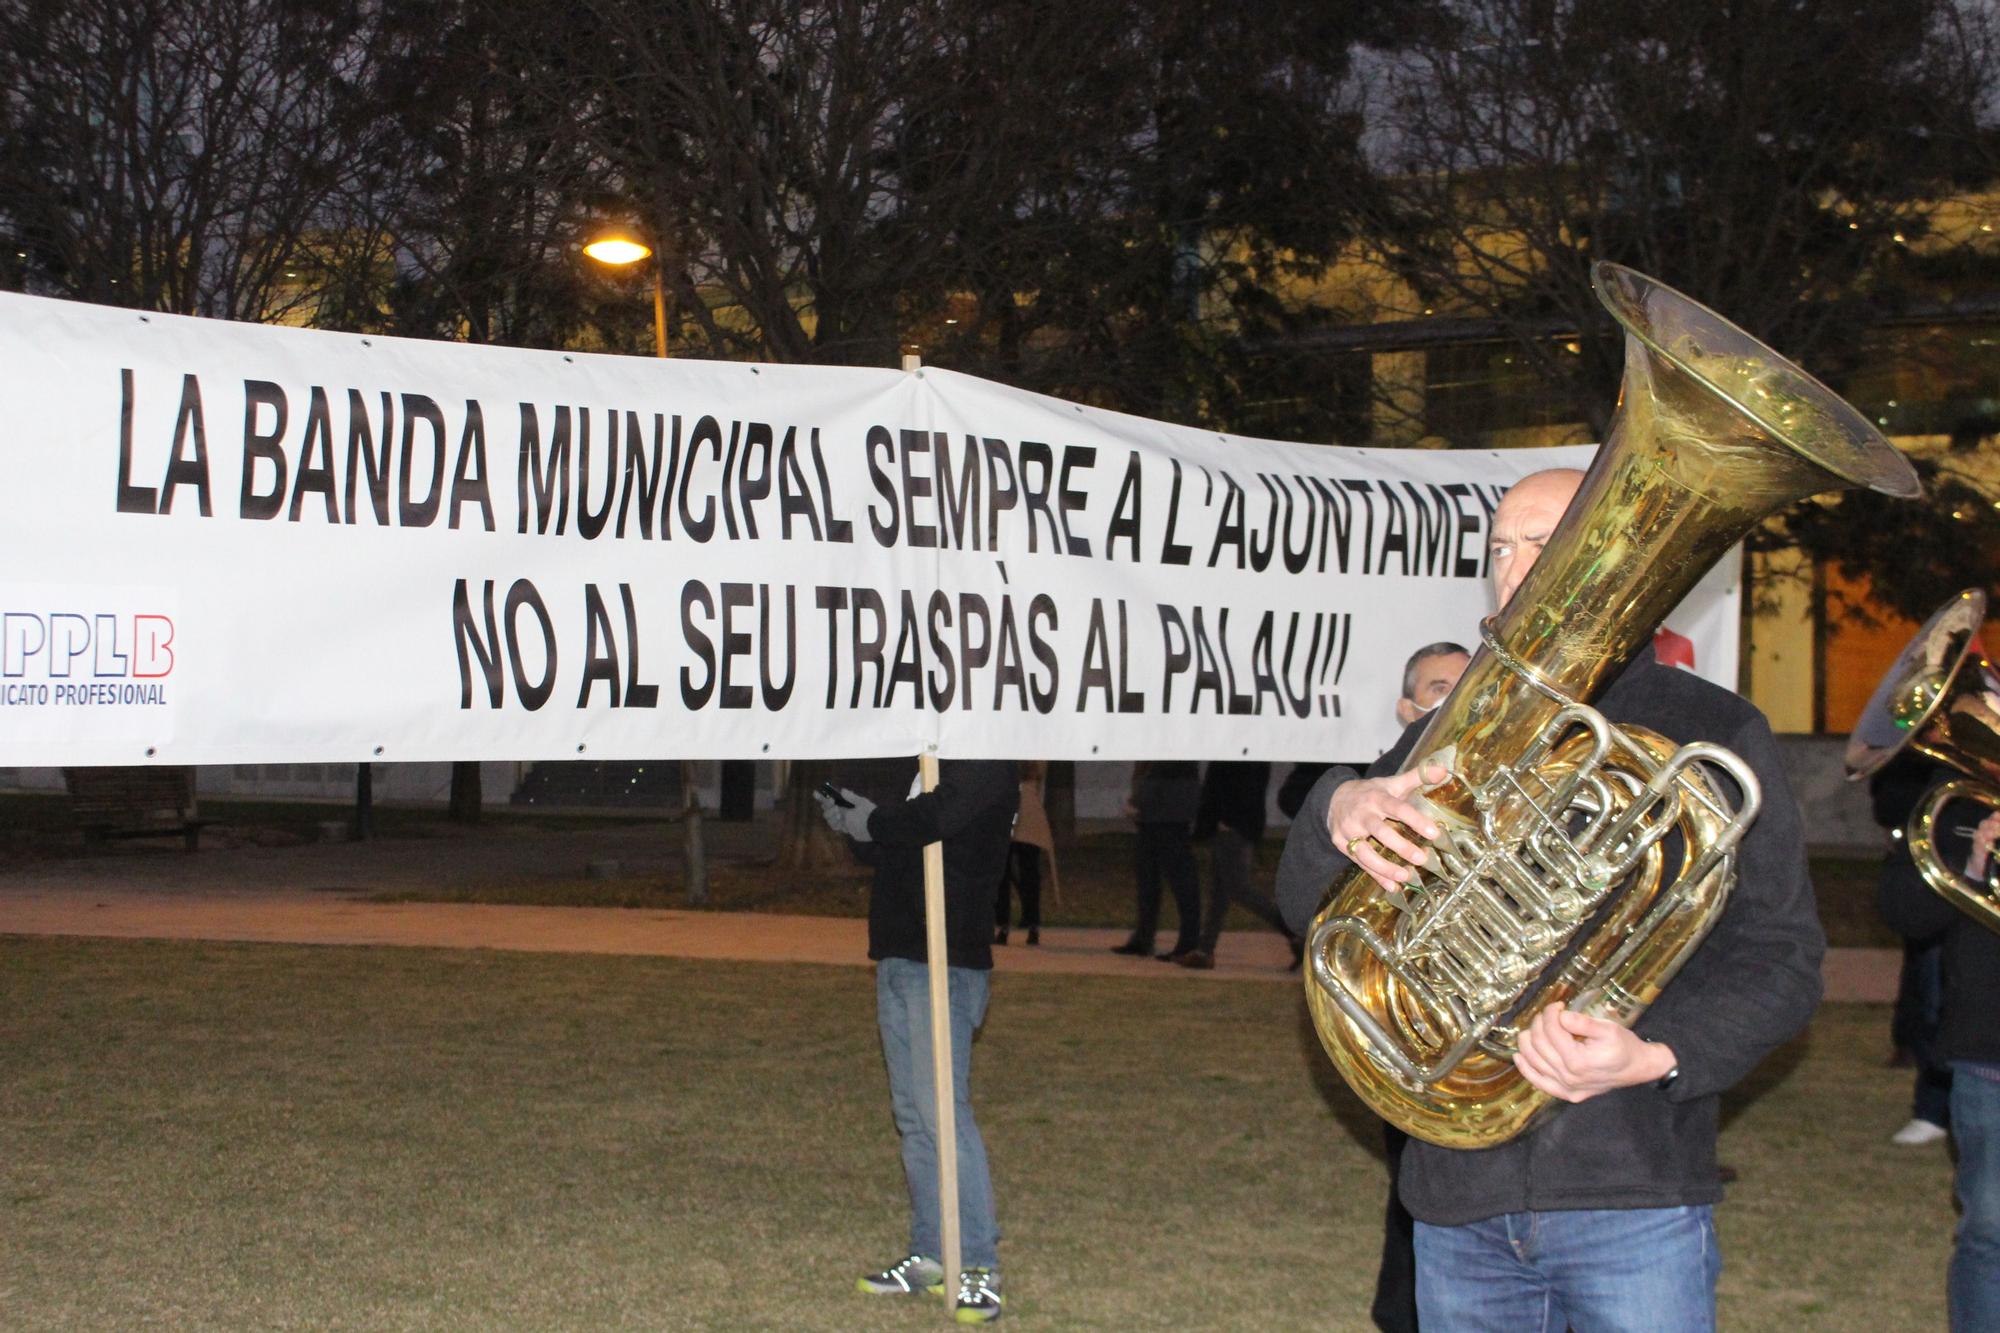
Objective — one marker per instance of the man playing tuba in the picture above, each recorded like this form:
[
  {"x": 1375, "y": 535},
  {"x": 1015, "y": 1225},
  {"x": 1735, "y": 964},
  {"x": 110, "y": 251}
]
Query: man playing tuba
[{"x": 1601, "y": 1216}]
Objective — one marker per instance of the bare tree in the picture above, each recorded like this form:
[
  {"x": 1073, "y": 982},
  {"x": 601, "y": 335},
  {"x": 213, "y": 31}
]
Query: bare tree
[
  {"x": 497, "y": 183},
  {"x": 180, "y": 155},
  {"x": 1772, "y": 158},
  {"x": 1780, "y": 160},
  {"x": 1159, "y": 240},
  {"x": 768, "y": 147}
]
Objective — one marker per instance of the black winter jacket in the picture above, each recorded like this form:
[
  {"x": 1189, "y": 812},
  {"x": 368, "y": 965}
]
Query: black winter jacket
[
  {"x": 1749, "y": 987},
  {"x": 972, "y": 810}
]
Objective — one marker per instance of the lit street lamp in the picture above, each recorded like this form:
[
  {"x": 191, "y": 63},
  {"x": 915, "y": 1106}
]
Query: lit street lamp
[{"x": 620, "y": 248}]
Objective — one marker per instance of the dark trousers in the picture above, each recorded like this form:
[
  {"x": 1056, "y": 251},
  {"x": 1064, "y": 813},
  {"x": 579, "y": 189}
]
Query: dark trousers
[
  {"x": 1229, "y": 859},
  {"x": 1395, "y": 1308},
  {"x": 1914, "y": 1027},
  {"x": 1024, "y": 872},
  {"x": 1162, "y": 851}
]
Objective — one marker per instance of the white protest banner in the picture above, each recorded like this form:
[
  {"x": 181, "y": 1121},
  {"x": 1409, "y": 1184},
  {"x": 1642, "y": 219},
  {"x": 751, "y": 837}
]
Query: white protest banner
[{"x": 226, "y": 543}]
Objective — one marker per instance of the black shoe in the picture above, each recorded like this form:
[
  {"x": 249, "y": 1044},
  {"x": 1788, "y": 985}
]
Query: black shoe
[
  {"x": 1000, "y": 935},
  {"x": 1034, "y": 934},
  {"x": 1175, "y": 956},
  {"x": 1197, "y": 958},
  {"x": 1132, "y": 948}
]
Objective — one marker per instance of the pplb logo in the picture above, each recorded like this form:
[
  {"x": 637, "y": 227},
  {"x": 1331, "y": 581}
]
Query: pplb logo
[{"x": 85, "y": 656}]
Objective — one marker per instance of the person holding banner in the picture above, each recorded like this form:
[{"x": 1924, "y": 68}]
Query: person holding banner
[
  {"x": 1601, "y": 1215},
  {"x": 972, "y": 812}
]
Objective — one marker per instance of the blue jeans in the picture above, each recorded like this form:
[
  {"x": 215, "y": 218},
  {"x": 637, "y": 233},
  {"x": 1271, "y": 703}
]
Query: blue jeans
[
  {"x": 903, "y": 1006},
  {"x": 1613, "y": 1270},
  {"x": 1975, "y": 1259}
]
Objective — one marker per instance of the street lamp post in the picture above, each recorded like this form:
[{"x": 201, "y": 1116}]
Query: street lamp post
[{"x": 619, "y": 249}]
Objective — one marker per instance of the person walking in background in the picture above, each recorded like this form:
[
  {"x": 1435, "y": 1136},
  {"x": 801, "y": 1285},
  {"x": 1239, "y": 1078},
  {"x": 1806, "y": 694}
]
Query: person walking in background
[
  {"x": 1032, "y": 838},
  {"x": 1230, "y": 819},
  {"x": 972, "y": 812},
  {"x": 1165, "y": 795}
]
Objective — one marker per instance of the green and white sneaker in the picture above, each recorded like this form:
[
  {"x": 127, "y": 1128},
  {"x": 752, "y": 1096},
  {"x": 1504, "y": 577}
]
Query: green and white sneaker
[
  {"x": 905, "y": 1277},
  {"x": 978, "y": 1296}
]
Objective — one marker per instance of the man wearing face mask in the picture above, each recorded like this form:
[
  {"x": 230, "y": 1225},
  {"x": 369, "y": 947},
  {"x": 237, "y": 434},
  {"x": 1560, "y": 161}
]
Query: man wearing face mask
[
  {"x": 1601, "y": 1216},
  {"x": 1428, "y": 677}
]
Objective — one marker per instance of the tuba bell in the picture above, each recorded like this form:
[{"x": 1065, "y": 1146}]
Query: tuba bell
[
  {"x": 1941, "y": 699},
  {"x": 1546, "y": 880}
]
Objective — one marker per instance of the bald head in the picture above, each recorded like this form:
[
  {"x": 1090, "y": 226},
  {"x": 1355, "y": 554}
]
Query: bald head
[{"x": 1522, "y": 523}]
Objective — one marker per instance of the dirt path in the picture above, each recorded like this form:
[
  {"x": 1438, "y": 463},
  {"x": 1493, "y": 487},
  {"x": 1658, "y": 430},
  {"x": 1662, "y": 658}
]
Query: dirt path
[{"x": 317, "y": 894}]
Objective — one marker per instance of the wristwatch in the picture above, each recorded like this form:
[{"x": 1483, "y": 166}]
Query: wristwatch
[{"x": 1666, "y": 1080}]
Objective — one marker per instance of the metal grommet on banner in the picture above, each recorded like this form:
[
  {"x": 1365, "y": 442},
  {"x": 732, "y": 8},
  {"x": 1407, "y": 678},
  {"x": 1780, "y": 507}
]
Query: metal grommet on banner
[
  {"x": 378, "y": 749},
  {"x": 150, "y": 752}
]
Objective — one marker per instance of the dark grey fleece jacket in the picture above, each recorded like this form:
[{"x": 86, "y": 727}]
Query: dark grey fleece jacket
[{"x": 1748, "y": 988}]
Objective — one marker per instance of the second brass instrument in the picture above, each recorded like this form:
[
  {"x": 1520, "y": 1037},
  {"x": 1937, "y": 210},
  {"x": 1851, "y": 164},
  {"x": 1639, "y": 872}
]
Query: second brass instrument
[{"x": 1941, "y": 699}]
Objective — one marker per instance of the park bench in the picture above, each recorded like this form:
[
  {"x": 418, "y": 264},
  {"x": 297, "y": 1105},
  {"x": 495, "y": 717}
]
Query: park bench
[{"x": 134, "y": 802}]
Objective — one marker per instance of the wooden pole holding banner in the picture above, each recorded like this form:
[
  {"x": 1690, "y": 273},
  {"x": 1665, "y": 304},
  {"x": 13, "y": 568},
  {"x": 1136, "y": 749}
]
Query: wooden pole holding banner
[
  {"x": 941, "y": 1066},
  {"x": 936, "y": 950}
]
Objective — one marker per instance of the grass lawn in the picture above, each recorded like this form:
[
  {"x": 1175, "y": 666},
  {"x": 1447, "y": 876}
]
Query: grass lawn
[{"x": 263, "y": 1137}]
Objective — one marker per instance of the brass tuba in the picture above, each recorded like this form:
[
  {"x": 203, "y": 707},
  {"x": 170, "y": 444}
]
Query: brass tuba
[
  {"x": 1942, "y": 699},
  {"x": 1545, "y": 881}
]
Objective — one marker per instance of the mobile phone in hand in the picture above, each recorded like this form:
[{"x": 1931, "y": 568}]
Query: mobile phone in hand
[{"x": 832, "y": 793}]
